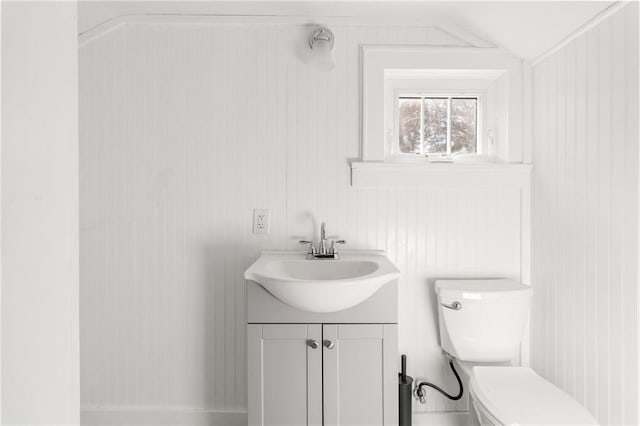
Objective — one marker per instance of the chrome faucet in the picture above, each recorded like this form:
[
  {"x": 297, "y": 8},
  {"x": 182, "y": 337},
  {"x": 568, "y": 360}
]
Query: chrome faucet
[
  {"x": 321, "y": 252},
  {"x": 322, "y": 246}
]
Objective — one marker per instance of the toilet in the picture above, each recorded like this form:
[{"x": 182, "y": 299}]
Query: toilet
[{"x": 481, "y": 325}]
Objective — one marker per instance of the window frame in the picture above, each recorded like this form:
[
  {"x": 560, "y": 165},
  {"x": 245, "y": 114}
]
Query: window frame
[
  {"x": 507, "y": 135},
  {"x": 394, "y": 148}
]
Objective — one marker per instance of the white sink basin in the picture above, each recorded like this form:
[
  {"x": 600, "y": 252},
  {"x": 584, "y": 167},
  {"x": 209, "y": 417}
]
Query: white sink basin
[{"x": 322, "y": 285}]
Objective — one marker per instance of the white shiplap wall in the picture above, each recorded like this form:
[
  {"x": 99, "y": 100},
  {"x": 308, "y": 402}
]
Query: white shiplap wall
[
  {"x": 185, "y": 128},
  {"x": 584, "y": 334}
]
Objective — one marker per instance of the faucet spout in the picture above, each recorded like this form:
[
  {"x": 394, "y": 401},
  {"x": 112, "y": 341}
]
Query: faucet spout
[
  {"x": 322, "y": 251},
  {"x": 322, "y": 246}
]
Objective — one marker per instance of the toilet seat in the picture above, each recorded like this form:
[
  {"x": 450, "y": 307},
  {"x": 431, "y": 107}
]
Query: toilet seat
[{"x": 518, "y": 396}]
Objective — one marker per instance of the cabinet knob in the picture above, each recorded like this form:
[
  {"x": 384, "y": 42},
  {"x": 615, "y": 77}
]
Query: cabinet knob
[
  {"x": 328, "y": 344},
  {"x": 313, "y": 343}
]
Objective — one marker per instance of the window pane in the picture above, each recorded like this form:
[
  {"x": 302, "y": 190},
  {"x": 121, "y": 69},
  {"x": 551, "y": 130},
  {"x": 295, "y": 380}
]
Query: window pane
[
  {"x": 464, "y": 115},
  {"x": 409, "y": 125},
  {"x": 435, "y": 125}
]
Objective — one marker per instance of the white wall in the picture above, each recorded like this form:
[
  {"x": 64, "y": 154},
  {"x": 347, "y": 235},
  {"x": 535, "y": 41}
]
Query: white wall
[
  {"x": 585, "y": 232},
  {"x": 185, "y": 128},
  {"x": 40, "y": 350}
]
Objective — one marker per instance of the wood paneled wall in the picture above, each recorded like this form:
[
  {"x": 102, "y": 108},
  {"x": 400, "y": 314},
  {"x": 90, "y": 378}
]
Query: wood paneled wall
[
  {"x": 584, "y": 334},
  {"x": 185, "y": 128}
]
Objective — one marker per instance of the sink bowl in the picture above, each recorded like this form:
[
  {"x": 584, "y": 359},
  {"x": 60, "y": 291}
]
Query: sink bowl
[{"x": 322, "y": 285}]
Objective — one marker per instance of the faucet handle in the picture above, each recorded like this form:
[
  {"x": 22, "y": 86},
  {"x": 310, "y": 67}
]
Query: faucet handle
[
  {"x": 333, "y": 250},
  {"x": 312, "y": 248}
]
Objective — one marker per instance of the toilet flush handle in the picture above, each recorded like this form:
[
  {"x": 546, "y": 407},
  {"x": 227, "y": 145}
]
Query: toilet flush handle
[{"x": 456, "y": 306}]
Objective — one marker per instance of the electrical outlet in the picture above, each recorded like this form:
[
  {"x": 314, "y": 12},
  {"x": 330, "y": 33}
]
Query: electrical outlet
[{"x": 260, "y": 221}]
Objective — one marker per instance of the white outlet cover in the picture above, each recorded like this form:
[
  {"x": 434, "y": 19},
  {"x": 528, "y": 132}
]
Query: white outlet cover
[{"x": 260, "y": 221}]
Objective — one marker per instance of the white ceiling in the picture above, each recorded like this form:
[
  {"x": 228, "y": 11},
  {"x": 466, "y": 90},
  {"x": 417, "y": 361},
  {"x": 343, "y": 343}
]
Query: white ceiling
[{"x": 526, "y": 28}]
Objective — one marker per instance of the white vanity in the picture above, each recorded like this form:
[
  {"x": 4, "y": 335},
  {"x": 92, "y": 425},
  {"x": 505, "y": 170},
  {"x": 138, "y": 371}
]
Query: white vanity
[{"x": 322, "y": 340}]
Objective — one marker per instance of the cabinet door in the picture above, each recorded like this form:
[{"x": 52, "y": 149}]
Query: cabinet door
[
  {"x": 284, "y": 374},
  {"x": 360, "y": 374}
]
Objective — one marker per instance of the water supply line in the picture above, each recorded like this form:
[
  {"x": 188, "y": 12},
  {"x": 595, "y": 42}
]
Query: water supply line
[{"x": 419, "y": 392}]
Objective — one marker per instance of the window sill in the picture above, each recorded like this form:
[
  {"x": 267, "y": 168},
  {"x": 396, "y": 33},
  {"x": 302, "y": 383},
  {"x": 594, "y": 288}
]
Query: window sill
[{"x": 440, "y": 175}]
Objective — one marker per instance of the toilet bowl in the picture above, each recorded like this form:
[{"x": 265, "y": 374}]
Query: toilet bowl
[
  {"x": 481, "y": 324},
  {"x": 518, "y": 396}
]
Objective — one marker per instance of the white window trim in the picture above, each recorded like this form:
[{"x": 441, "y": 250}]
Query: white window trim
[
  {"x": 377, "y": 59},
  {"x": 441, "y": 176},
  {"x": 394, "y": 145}
]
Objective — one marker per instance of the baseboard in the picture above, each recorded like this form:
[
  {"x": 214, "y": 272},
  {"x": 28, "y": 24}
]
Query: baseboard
[
  {"x": 152, "y": 416},
  {"x": 155, "y": 416},
  {"x": 441, "y": 418}
]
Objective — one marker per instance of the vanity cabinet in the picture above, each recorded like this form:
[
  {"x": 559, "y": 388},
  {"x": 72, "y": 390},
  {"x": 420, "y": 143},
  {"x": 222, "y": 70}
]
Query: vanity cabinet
[
  {"x": 322, "y": 368},
  {"x": 284, "y": 374},
  {"x": 322, "y": 374},
  {"x": 360, "y": 375}
]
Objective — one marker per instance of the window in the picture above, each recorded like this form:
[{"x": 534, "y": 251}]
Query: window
[
  {"x": 437, "y": 125},
  {"x": 422, "y": 100},
  {"x": 488, "y": 79}
]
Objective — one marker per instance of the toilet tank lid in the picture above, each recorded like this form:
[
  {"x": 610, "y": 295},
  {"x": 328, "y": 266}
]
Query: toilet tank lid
[{"x": 482, "y": 289}]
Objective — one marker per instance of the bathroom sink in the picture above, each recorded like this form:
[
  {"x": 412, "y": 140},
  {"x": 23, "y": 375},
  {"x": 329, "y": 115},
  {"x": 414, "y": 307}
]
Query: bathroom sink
[{"x": 322, "y": 285}]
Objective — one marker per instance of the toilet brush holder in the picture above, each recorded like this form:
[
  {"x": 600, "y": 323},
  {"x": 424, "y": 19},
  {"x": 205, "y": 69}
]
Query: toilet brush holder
[{"x": 405, "y": 383}]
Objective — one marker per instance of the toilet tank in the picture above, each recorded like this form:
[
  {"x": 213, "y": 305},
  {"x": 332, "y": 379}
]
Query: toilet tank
[{"x": 482, "y": 320}]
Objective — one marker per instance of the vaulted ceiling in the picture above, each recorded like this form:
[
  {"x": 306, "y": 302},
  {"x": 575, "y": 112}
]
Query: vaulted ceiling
[{"x": 526, "y": 28}]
